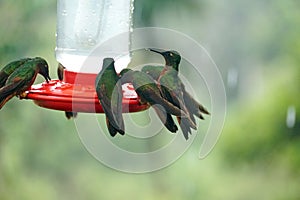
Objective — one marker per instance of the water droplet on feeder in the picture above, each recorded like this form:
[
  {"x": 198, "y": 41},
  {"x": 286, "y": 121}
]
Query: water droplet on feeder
[
  {"x": 91, "y": 41},
  {"x": 291, "y": 117},
  {"x": 64, "y": 13}
]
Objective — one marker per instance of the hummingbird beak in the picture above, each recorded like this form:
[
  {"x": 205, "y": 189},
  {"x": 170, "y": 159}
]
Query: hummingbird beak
[
  {"x": 47, "y": 78},
  {"x": 160, "y": 51}
]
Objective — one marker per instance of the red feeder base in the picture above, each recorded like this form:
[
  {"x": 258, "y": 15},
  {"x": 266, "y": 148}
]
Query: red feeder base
[{"x": 77, "y": 93}]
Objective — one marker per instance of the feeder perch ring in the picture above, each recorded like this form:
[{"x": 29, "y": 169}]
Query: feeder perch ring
[{"x": 77, "y": 93}]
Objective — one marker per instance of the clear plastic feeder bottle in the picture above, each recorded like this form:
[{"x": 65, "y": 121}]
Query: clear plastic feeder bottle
[{"x": 83, "y": 25}]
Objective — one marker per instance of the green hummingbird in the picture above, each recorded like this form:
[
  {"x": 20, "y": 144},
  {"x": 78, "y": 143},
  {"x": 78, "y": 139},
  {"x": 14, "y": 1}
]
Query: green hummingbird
[
  {"x": 22, "y": 79},
  {"x": 165, "y": 117},
  {"x": 149, "y": 92},
  {"x": 60, "y": 74},
  {"x": 193, "y": 106},
  {"x": 109, "y": 92},
  {"x": 172, "y": 88},
  {"x": 9, "y": 69}
]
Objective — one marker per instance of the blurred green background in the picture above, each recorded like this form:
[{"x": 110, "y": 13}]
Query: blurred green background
[{"x": 257, "y": 48}]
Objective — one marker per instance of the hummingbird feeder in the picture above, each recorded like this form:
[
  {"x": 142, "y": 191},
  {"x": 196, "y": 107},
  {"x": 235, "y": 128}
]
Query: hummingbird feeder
[{"x": 82, "y": 26}]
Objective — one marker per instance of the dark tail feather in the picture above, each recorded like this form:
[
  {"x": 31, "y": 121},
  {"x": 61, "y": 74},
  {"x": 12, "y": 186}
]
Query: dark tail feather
[
  {"x": 166, "y": 118},
  {"x": 112, "y": 130},
  {"x": 5, "y": 97},
  {"x": 190, "y": 119},
  {"x": 70, "y": 115},
  {"x": 3, "y": 101},
  {"x": 3, "y": 78},
  {"x": 193, "y": 106},
  {"x": 185, "y": 128},
  {"x": 202, "y": 109}
]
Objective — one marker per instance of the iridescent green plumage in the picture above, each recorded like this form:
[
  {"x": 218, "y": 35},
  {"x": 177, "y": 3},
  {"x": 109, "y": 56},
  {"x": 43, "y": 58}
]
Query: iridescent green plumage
[
  {"x": 149, "y": 92},
  {"x": 192, "y": 104},
  {"x": 9, "y": 69},
  {"x": 173, "y": 90},
  {"x": 109, "y": 92},
  {"x": 22, "y": 79}
]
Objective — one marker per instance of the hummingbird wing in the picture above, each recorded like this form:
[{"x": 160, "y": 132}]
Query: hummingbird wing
[
  {"x": 178, "y": 96},
  {"x": 186, "y": 123},
  {"x": 3, "y": 78},
  {"x": 109, "y": 111},
  {"x": 150, "y": 93},
  {"x": 10, "y": 68},
  {"x": 172, "y": 90},
  {"x": 116, "y": 102},
  {"x": 192, "y": 105}
]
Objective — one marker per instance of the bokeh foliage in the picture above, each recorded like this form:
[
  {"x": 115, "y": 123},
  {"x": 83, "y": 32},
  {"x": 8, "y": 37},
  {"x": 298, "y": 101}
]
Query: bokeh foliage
[{"x": 257, "y": 156}]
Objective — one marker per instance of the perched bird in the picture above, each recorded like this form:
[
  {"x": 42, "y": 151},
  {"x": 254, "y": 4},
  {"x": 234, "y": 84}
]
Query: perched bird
[
  {"x": 22, "y": 78},
  {"x": 172, "y": 88},
  {"x": 149, "y": 92},
  {"x": 193, "y": 106},
  {"x": 9, "y": 69},
  {"x": 60, "y": 74},
  {"x": 109, "y": 92}
]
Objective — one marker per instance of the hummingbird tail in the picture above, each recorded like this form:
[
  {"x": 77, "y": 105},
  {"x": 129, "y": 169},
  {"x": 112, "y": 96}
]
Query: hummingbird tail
[
  {"x": 70, "y": 115},
  {"x": 4, "y": 99},
  {"x": 3, "y": 78},
  {"x": 166, "y": 119},
  {"x": 194, "y": 106},
  {"x": 202, "y": 109},
  {"x": 112, "y": 130},
  {"x": 5, "y": 95},
  {"x": 184, "y": 126}
]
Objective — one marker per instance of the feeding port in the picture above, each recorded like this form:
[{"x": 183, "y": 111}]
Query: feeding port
[{"x": 82, "y": 26}]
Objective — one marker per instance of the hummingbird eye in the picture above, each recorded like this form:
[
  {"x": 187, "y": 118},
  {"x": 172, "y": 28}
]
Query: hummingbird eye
[{"x": 171, "y": 54}]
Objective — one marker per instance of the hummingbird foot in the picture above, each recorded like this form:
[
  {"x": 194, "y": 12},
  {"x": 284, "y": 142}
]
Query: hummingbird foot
[{"x": 22, "y": 95}]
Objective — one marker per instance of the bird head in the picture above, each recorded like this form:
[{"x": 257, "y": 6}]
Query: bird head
[
  {"x": 108, "y": 62},
  {"x": 172, "y": 57},
  {"x": 43, "y": 68}
]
